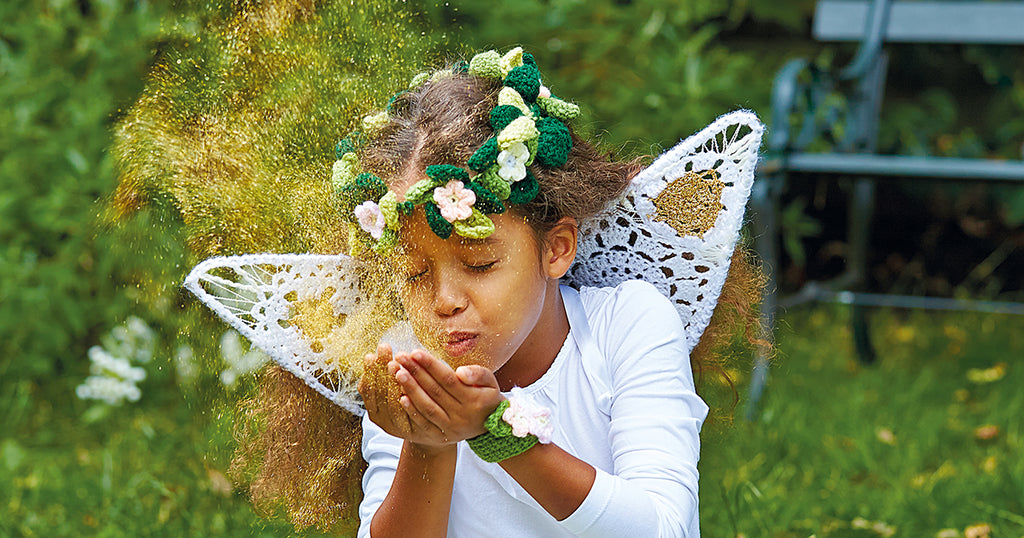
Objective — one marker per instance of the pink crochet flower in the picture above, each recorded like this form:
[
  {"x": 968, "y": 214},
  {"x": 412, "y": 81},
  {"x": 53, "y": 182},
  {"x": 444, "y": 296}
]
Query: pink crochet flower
[
  {"x": 371, "y": 219},
  {"x": 455, "y": 201},
  {"x": 526, "y": 417}
]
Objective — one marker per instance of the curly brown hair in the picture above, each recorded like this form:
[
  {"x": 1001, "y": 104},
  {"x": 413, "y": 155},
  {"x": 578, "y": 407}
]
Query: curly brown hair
[{"x": 300, "y": 452}]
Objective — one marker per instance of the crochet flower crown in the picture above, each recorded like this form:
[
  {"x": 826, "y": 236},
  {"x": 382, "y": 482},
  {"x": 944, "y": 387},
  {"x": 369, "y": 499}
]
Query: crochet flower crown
[{"x": 529, "y": 125}]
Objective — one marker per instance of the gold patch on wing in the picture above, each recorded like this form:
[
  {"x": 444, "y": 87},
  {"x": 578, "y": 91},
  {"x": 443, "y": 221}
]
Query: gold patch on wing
[
  {"x": 690, "y": 204},
  {"x": 315, "y": 318}
]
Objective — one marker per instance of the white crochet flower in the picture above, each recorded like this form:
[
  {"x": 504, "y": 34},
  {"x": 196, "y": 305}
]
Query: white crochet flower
[
  {"x": 371, "y": 218},
  {"x": 513, "y": 162},
  {"x": 527, "y": 416},
  {"x": 455, "y": 201}
]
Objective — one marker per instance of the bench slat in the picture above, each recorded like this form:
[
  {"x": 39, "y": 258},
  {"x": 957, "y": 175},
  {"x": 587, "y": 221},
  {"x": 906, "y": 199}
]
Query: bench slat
[
  {"x": 925, "y": 21},
  {"x": 901, "y": 165}
]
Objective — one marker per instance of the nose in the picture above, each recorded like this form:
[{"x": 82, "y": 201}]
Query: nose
[{"x": 449, "y": 296}]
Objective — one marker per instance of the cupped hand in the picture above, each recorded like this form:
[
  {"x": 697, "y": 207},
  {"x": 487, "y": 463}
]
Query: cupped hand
[
  {"x": 444, "y": 405},
  {"x": 381, "y": 393}
]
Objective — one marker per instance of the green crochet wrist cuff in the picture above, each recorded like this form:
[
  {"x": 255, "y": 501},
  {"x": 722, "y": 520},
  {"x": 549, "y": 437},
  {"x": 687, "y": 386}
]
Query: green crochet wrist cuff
[{"x": 499, "y": 443}]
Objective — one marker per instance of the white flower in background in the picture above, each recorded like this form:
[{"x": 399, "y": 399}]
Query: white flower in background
[
  {"x": 512, "y": 162},
  {"x": 185, "y": 365},
  {"x": 113, "y": 379},
  {"x": 239, "y": 362},
  {"x": 134, "y": 340}
]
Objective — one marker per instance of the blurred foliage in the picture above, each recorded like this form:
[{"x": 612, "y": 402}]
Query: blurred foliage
[
  {"x": 645, "y": 72},
  {"x": 66, "y": 72}
]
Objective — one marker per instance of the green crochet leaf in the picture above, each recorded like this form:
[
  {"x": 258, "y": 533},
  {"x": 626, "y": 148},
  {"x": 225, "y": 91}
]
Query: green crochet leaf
[
  {"x": 524, "y": 79},
  {"x": 486, "y": 64},
  {"x": 443, "y": 173},
  {"x": 554, "y": 142},
  {"x": 406, "y": 208},
  {"x": 494, "y": 183},
  {"x": 477, "y": 226},
  {"x": 503, "y": 115},
  {"x": 485, "y": 156},
  {"x": 387, "y": 241},
  {"x": 437, "y": 223},
  {"x": 372, "y": 184},
  {"x": 421, "y": 191},
  {"x": 486, "y": 201},
  {"x": 524, "y": 190},
  {"x": 365, "y": 187},
  {"x": 558, "y": 108},
  {"x": 344, "y": 146}
]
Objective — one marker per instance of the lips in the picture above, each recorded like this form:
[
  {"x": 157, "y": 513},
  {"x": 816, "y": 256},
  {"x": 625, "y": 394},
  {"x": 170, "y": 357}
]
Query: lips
[{"x": 459, "y": 343}]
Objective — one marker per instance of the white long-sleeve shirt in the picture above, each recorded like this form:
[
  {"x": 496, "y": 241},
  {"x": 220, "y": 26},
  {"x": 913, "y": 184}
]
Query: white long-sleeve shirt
[{"x": 622, "y": 399}]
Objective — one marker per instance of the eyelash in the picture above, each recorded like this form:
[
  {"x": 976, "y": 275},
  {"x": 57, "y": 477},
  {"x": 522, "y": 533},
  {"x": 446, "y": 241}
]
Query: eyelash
[{"x": 482, "y": 268}]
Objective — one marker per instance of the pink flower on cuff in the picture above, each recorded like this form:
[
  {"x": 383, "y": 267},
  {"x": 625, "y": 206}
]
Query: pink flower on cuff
[
  {"x": 455, "y": 201},
  {"x": 526, "y": 417},
  {"x": 371, "y": 219}
]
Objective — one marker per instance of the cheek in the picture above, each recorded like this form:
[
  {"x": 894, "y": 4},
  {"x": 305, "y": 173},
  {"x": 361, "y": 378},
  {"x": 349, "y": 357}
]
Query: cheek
[
  {"x": 514, "y": 306},
  {"x": 417, "y": 310}
]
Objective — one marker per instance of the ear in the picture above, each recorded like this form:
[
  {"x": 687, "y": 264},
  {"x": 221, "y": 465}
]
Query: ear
[{"x": 560, "y": 247}]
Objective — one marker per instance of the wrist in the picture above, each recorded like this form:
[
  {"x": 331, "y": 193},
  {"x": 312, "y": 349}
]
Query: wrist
[
  {"x": 423, "y": 450},
  {"x": 515, "y": 426}
]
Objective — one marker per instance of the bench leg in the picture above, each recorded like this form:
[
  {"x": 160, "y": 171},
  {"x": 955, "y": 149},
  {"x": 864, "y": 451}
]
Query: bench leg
[{"x": 861, "y": 211}]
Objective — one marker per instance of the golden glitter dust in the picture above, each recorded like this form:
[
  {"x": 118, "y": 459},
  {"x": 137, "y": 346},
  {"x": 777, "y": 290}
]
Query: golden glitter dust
[
  {"x": 691, "y": 204},
  {"x": 237, "y": 125},
  {"x": 236, "y": 130}
]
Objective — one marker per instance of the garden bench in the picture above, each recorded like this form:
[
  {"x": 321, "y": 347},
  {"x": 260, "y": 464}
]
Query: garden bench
[{"x": 804, "y": 106}]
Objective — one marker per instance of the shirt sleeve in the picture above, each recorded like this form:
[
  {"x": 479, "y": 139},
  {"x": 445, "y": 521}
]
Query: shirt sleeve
[
  {"x": 656, "y": 416},
  {"x": 381, "y": 452}
]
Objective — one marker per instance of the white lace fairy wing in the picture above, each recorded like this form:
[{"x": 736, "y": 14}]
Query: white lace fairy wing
[
  {"x": 288, "y": 305},
  {"x": 679, "y": 221}
]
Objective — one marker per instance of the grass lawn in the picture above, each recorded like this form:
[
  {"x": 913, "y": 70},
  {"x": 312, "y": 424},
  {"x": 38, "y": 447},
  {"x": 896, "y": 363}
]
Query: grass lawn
[{"x": 927, "y": 442}]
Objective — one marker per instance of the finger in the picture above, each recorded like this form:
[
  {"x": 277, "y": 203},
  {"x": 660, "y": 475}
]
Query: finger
[
  {"x": 427, "y": 406},
  {"x": 435, "y": 377},
  {"x": 418, "y": 423},
  {"x": 384, "y": 352},
  {"x": 476, "y": 376},
  {"x": 365, "y": 388}
]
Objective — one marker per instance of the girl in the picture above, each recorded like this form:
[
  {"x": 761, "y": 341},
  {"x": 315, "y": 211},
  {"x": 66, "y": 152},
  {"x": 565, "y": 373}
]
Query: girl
[{"x": 578, "y": 412}]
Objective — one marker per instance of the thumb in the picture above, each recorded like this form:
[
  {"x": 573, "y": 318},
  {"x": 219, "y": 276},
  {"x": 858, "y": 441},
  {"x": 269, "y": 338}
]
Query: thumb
[{"x": 476, "y": 376}]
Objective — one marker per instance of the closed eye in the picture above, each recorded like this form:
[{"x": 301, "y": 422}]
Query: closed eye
[
  {"x": 415, "y": 278},
  {"x": 480, "y": 268}
]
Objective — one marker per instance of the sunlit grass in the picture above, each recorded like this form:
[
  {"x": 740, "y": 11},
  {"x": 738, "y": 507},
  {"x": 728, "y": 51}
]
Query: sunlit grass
[{"x": 926, "y": 441}]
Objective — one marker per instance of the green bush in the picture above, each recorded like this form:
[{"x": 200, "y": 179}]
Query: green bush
[{"x": 67, "y": 71}]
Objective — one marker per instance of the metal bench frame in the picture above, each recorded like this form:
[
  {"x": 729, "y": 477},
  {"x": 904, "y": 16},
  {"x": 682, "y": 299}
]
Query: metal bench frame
[{"x": 801, "y": 92}]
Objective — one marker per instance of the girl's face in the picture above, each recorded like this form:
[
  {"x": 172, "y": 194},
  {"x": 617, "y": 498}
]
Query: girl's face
[{"x": 493, "y": 301}]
